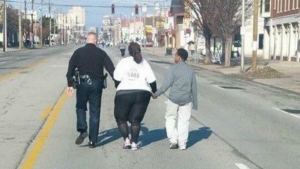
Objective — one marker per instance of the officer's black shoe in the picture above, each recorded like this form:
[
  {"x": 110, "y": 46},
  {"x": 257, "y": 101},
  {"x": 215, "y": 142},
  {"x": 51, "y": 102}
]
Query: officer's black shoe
[
  {"x": 81, "y": 138},
  {"x": 92, "y": 144}
]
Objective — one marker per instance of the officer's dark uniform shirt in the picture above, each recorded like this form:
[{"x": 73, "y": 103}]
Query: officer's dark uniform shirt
[{"x": 89, "y": 60}]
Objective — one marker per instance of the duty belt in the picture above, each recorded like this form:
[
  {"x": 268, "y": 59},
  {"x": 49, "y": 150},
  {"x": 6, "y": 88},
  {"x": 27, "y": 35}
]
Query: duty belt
[{"x": 85, "y": 78}]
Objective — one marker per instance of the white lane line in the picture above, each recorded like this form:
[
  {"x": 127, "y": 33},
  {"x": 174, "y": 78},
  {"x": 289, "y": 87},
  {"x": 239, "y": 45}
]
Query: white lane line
[
  {"x": 241, "y": 166},
  {"x": 286, "y": 112},
  {"x": 219, "y": 87}
]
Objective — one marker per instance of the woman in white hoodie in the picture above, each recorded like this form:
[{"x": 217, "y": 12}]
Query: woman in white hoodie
[{"x": 135, "y": 84}]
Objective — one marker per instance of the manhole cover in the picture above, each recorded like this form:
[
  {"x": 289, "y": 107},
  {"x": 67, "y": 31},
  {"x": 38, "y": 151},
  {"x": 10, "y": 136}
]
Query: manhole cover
[
  {"x": 231, "y": 87},
  {"x": 292, "y": 111}
]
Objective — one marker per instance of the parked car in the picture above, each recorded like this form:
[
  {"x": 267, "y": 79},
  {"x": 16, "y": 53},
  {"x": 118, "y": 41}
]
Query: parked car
[
  {"x": 47, "y": 42},
  {"x": 236, "y": 49},
  {"x": 147, "y": 44}
]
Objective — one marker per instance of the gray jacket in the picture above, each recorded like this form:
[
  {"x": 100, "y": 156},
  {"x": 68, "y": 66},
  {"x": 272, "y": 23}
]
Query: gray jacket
[{"x": 181, "y": 80}]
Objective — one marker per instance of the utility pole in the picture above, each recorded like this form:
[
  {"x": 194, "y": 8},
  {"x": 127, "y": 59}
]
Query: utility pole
[
  {"x": 20, "y": 26},
  {"x": 26, "y": 28},
  {"x": 63, "y": 28},
  {"x": 32, "y": 36},
  {"x": 76, "y": 29},
  {"x": 67, "y": 30},
  {"x": 41, "y": 24},
  {"x": 54, "y": 25},
  {"x": 144, "y": 10},
  {"x": 4, "y": 44},
  {"x": 255, "y": 30},
  {"x": 50, "y": 27},
  {"x": 243, "y": 37},
  {"x": 25, "y": 8}
]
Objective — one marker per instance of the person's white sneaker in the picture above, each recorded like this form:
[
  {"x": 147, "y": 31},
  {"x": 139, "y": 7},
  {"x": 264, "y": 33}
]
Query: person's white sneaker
[
  {"x": 126, "y": 144},
  {"x": 134, "y": 146},
  {"x": 183, "y": 147}
]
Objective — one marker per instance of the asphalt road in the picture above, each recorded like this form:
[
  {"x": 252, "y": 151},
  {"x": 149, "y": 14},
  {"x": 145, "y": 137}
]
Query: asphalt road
[{"x": 239, "y": 124}]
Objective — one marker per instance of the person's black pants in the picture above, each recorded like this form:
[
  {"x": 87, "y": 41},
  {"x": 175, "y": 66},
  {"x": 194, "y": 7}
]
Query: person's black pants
[
  {"x": 122, "y": 52},
  {"x": 91, "y": 93},
  {"x": 131, "y": 107}
]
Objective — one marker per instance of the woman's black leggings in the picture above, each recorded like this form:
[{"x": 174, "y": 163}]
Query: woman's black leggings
[{"x": 131, "y": 106}]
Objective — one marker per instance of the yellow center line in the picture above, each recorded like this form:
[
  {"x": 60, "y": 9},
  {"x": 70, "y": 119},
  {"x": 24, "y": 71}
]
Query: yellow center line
[
  {"x": 33, "y": 154},
  {"x": 46, "y": 112},
  {"x": 11, "y": 74}
]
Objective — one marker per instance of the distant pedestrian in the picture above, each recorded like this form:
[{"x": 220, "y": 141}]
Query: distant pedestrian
[
  {"x": 122, "y": 47},
  {"x": 192, "y": 49},
  {"x": 136, "y": 81},
  {"x": 181, "y": 80},
  {"x": 90, "y": 62}
]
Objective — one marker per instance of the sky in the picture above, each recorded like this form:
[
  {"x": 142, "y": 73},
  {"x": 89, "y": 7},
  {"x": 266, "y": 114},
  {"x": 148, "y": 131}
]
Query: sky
[{"x": 95, "y": 9}]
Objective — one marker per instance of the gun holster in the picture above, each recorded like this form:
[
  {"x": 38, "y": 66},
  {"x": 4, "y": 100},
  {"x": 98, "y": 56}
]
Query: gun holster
[
  {"x": 76, "y": 79},
  {"x": 105, "y": 81}
]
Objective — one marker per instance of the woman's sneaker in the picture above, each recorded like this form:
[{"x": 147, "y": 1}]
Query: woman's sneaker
[
  {"x": 126, "y": 144},
  {"x": 134, "y": 146}
]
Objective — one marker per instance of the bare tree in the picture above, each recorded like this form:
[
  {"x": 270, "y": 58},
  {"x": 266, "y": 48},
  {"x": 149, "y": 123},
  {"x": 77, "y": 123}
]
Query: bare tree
[
  {"x": 12, "y": 22},
  {"x": 203, "y": 13},
  {"x": 228, "y": 21},
  {"x": 221, "y": 18},
  {"x": 25, "y": 28}
]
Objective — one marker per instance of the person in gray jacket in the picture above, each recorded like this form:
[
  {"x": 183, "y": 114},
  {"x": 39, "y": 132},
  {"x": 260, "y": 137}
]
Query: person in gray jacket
[
  {"x": 122, "y": 47},
  {"x": 181, "y": 80}
]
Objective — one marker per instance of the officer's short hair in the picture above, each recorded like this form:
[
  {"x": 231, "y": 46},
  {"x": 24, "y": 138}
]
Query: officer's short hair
[{"x": 93, "y": 33}]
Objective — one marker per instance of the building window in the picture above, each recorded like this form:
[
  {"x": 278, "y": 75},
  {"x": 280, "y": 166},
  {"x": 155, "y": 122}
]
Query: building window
[
  {"x": 261, "y": 41},
  {"x": 267, "y": 6},
  {"x": 289, "y": 4},
  {"x": 275, "y": 2},
  {"x": 297, "y": 4}
]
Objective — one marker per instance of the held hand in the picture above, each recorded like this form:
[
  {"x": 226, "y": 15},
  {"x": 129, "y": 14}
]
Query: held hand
[
  {"x": 70, "y": 91},
  {"x": 153, "y": 96}
]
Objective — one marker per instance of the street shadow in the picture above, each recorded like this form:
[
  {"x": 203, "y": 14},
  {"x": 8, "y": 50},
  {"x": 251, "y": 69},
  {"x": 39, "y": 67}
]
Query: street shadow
[
  {"x": 198, "y": 135},
  {"x": 147, "y": 137},
  {"x": 108, "y": 136}
]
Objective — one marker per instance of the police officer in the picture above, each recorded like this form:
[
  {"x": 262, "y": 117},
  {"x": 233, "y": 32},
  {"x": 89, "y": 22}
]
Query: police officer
[{"x": 90, "y": 61}]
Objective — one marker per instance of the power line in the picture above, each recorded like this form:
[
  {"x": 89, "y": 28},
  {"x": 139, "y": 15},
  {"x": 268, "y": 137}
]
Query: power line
[{"x": 86, "y": 6}]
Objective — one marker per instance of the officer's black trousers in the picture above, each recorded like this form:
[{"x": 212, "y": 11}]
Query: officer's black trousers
[{"x": 92, "y": 94}]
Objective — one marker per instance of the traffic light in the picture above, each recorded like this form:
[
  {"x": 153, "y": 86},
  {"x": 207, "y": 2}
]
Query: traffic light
[
  {"x": 136, "y": 9},
  {"x": 113, "y": 9}
]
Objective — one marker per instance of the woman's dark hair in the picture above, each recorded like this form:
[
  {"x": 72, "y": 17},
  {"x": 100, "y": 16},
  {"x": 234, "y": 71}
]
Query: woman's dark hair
[{"x": 135, "y": 51}]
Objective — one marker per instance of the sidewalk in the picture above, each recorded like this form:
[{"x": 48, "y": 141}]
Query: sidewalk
[
  {"x": 290, "y": 69},
  {"x": 12, "y": 49}
]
